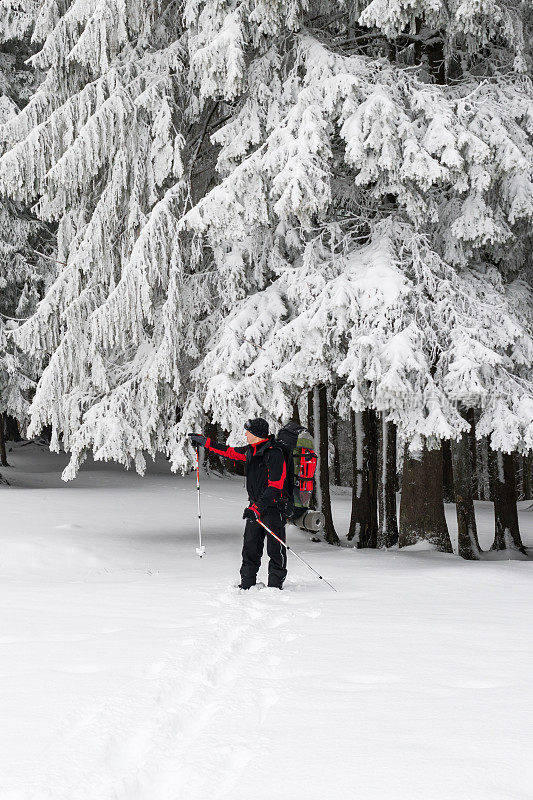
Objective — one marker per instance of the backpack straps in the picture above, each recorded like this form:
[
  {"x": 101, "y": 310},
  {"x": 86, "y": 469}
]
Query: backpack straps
[{"x": 277, "y": 474}]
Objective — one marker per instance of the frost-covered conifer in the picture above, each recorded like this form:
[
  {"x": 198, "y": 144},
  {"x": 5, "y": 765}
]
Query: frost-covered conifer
[
  {"x": 23, "y": 280},
  {"x": 23, "y": 266},
  {"x": 374, "y": 182},
  {"x": 98, "y": 149},
  {"x": 408, "y": 334},
  {"x": 373, "y": 220}
]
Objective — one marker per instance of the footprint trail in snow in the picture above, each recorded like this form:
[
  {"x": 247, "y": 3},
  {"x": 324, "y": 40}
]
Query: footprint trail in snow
[{"x": 196, "y": 729}]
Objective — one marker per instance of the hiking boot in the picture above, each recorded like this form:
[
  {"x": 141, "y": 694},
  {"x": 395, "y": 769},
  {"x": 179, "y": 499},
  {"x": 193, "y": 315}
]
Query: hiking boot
[{"x": 257, "y": 585}]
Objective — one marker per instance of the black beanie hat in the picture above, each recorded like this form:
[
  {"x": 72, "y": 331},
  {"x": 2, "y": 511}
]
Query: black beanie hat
[{"x": 258, "y": 427}]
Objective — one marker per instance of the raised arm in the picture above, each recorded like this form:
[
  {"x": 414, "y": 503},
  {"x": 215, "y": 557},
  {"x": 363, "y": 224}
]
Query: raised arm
[{"x": 236, "y": 453}]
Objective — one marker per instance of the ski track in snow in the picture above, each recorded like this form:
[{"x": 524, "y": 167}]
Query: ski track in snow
[{"x": 192, "y": 735}]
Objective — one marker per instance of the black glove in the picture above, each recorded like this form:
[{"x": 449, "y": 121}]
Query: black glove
[
  {"x": 251, "y": 512},
  {"x": 197, "y": 439}
]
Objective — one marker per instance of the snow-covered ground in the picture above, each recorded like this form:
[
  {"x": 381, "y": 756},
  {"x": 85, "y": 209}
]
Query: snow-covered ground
[{"x": 133, "y": 670}]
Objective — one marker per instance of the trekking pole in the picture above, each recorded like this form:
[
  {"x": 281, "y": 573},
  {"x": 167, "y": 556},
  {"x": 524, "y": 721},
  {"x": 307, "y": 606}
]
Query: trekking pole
[
  {"x": 201, "y": 549},
  {"x": 286, "y": 546}
]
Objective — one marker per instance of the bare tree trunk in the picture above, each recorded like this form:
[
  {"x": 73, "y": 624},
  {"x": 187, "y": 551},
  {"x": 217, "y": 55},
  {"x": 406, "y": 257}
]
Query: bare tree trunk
[
  {"x": 422, "y": 516},
  {"x": 506, "y": 528},
  {"x": 364, "y": 522},
  {"x": 359, "y": 493},
  {"x": 387, "y": 535},
  {"x": 315, "y": 501},
  {"x": 369, "y": 537},
  {"x": 527, "y": 477},
  {"x": 483, "y": 471},
  {"x": 335, "y": 438},
  {"x": 3, "y": 454},
  {"x": 311, "y": 412},
  {"x": 447, "y": 472},
  {"x": 519, "y": 476},
  {"x": 296, "y": 413},
  {"x": 468, "y": 544},
  {"x": 320, "y": 407},
  {"x": 470, "y": 416},
  {"x": 336, "y": 451}
]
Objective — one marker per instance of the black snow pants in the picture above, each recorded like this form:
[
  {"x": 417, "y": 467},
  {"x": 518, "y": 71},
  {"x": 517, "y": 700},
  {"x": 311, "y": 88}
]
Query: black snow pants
[{"x": 254, "y": 538}]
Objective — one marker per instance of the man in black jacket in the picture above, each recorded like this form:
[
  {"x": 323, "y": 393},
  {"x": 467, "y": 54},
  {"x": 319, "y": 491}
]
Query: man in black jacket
[{"x": 266, "y": 473}]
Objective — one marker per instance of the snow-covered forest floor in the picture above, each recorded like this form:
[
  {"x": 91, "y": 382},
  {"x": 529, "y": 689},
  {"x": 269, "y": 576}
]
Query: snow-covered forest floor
[{"x": 133, "y": 670}]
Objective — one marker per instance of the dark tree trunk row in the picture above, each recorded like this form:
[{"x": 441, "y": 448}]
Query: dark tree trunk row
[
  {"x": 482, "y": 469},
  {"x": 429, "y": 479}
]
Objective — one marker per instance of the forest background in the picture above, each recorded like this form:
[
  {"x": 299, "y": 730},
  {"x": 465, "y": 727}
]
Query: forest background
[{"x": 318, "y": 211}]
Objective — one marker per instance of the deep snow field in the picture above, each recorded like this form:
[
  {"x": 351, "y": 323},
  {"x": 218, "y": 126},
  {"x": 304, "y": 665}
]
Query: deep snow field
[{"x": 133, "y": 670}]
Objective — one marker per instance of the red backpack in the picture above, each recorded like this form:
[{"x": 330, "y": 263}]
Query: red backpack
[{"x": 302, "y": 461}]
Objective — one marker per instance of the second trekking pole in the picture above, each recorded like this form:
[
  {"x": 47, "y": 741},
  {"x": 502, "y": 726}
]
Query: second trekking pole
[
  {"x": 286, "y": 546},
  {"x": 201, "y": 549}
]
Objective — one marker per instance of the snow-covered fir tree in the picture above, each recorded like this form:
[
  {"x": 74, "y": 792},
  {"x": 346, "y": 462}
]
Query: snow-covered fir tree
[
  {"x": 372, "y": 199},
  {"x": 431, "y": 164},
  {"x": 405, "y": 332},
  {"x": 23, "y": 280},
  {"x": 24, "y": 264},
  {"x": 99, "y": 150}
]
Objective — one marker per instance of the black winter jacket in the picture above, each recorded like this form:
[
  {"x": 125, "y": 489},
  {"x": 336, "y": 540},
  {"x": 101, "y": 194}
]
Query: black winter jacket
[{"x": 266, "y": 470}]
